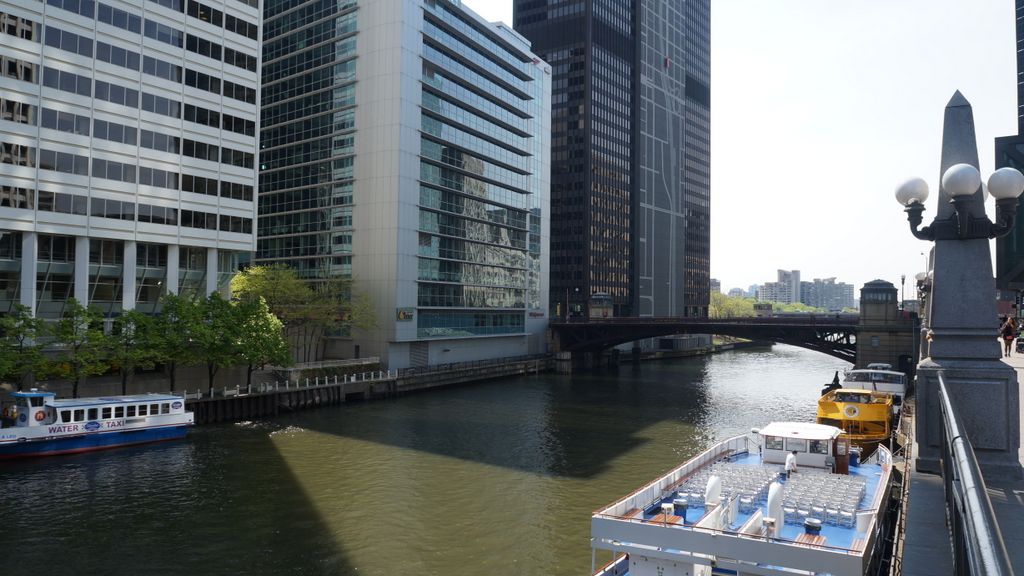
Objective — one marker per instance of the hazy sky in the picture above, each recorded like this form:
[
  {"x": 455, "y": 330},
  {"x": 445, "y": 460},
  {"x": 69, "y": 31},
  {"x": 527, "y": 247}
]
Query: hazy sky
[{"x": 820, "y": 109}]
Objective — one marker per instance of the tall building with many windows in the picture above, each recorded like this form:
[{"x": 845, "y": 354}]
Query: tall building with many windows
[
  {"x": 630, "y": 190},
  {"x": 1010, "y": 152},
  {"x": 406, "y": 143},
  {"x": 127, "y": 149}
]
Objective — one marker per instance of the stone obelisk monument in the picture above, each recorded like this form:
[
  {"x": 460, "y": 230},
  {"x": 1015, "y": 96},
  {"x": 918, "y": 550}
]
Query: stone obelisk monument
[{"x": 962, "y": 332}]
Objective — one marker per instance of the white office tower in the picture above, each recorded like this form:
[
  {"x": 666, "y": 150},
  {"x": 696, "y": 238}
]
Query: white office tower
[
  {"x": 406, "y": 143},
  {"x": 127, "y": 146}
]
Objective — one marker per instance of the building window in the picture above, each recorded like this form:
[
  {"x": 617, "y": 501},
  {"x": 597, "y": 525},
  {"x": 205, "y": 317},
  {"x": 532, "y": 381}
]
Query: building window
[
  {"x": 119, "y": 19},
  {"x": 19, "y": 27}
]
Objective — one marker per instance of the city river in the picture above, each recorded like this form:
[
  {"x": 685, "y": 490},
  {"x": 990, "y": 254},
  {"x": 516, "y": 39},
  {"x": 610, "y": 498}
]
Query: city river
[{"x": 487, "y": 479}]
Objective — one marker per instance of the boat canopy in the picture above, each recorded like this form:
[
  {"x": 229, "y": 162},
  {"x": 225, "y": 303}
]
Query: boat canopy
[
  {"x": 31, "y": 394},
  {"x": 805, "y": 430}
]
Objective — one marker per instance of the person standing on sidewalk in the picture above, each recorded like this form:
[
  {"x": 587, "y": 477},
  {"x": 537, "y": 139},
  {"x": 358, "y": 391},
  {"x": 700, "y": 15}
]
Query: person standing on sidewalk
[{"x": 1008, "y": 331}]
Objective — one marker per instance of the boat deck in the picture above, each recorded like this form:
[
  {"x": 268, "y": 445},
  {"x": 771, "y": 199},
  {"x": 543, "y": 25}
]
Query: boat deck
[
  {"x": 837, "y": 531},
  {"x": 840, "y": 502}
]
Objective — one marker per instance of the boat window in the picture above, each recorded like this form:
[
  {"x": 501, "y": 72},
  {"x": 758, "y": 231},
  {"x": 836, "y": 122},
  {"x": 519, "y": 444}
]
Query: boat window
[
  {"x": 106, "y": 413},
  {"x": 773, "y": 443},
  {"x": 131, "y": 412},
  {"x": 93, "y": 413},
  {"x": 165, "y": 408},
  {"x": 142, "y": 409},
  {"x": 65, "y": 415},
  {"x": 79, "y": 415},
  {"x": 37, "y": 401},
  {"x": 21, "y": 402},
  {"x": 154, "y": 409},
  {"x": 819, "y": 447},
  {"x": 798, "y": 444},
  {"x": 119, "y": 412}
]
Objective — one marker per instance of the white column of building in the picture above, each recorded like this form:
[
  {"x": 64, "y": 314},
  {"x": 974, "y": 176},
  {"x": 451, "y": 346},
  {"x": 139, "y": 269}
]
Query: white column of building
[
  {"x": 211, "y": 270},
  {"x": 173, "y": 261},
  {"x": 82, "y": 270},
  {"x": 128, "y": 274},
  {"x": 29, "y": 258}
]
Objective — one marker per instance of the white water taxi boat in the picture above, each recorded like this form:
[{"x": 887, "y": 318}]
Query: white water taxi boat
[
  {"x": 730, "y": 510},
  {"x": 38, "y": 424}
]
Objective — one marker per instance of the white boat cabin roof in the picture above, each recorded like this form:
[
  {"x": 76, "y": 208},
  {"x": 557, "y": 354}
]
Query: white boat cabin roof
[
  {"x": 103, "y": 400},
  {"x": 867, "y": 374},
  {"x": 805, "y": 430}
]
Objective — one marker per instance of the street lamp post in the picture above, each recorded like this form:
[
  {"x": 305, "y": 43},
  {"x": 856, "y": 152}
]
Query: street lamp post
[{"x": 960, "y": 316}]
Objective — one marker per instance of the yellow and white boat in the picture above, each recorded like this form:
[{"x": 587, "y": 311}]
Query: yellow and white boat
[{"x": 866, "y": 416}]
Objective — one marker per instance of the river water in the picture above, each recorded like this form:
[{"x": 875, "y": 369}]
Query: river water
[{"x": 486, "y": 479}]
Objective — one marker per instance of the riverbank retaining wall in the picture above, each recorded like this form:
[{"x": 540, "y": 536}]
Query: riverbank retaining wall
[{"x": 246, "y": 403}]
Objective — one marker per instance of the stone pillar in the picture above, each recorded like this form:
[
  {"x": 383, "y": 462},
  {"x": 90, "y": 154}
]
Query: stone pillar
[
  {"x": 173, "y": 267},
  {"x": 128, "y": 280},
  {"x": 211, "y": 270},
  {"x": 29, "y": 260},
  {"x": 82, "y": 270},
  {"x": 962, "y": 327}
]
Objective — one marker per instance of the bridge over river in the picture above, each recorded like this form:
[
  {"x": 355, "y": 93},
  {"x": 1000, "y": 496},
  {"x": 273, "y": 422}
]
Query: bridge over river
[{"x": 832, "y": 334}]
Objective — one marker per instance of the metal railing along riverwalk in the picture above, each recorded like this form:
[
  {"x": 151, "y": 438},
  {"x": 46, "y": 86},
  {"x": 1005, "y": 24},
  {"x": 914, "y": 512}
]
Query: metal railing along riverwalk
[
  {"x": 978, "y": 548},
  {"x": 269, "y": 387},
  {"x": 454, "y": 366}
]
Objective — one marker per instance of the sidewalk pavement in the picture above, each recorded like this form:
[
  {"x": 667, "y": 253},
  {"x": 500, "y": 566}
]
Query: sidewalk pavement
[{"x": 927, "y": 548}]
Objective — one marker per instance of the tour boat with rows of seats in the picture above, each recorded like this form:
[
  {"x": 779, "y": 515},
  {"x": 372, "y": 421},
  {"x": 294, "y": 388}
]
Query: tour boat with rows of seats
[
  {"x": 731, "y": 510},
  {"x": 39, "y": 424}
]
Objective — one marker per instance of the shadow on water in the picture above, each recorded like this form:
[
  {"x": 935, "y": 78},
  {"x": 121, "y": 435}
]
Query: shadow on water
[
  {"x": 554, "y": 425},
  {"x": 222, "y": 501}
]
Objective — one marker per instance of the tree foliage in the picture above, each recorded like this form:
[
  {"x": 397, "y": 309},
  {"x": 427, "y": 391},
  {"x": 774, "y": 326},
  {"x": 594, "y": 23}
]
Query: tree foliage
[
  {"x": 133, "y": 343},
  {"x": 174, "y": 331},
  {"x": 722, "y": 306},
  {"x": 79, "y": 335},
  {"x": 262, "y": 340},
  {"x": 217, "y": 335},
  {"x": 308, "y": 310},
  {"x": 21, "y": 348}
]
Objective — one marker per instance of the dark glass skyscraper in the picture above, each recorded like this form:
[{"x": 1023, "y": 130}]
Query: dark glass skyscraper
[
  {"x": 630, "y": 149},
  {"x": 1010, "y": 152}
]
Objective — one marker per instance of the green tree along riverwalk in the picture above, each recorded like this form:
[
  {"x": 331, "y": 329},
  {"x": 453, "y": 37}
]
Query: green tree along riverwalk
[{"x": 274, "y": 317}]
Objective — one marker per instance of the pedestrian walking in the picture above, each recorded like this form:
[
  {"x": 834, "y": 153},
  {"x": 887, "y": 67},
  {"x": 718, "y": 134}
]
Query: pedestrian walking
[{"x": 1008, "y": 331}]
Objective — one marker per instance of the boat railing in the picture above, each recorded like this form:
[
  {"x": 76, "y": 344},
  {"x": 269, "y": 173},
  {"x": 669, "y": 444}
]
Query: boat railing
[
  {"x": 978, "y": 548},
  {"x": 653, "y": 490},
  {"x": 287, "y": 385}
]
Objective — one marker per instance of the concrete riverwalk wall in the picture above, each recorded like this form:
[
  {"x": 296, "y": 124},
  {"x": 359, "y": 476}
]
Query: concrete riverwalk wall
[{"x": 245, "y": 403}]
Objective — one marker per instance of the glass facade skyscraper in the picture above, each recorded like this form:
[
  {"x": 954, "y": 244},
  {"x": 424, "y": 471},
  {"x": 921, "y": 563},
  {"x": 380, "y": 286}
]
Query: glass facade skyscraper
[
  {"x": 406, "y": 144},
  {"x": 630, "y": 151},
  {"x": 1010, "y": 152},
  {"x": 127, "y": 149}
]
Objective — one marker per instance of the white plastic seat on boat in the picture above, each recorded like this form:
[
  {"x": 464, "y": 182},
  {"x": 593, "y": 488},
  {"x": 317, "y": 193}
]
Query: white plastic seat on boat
[
  {"x": 832, "y": 515},
  {"x": 789, "y": 514},
  {"x": 845, "y": 518},
  {"x": 802, "y": 514}
]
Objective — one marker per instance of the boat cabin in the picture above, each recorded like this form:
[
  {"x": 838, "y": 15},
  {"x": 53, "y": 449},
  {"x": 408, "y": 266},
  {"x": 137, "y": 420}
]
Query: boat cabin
[
  {"x": 879, "y": 380},
  {"x": 32, "y": 408},
  {"x": 816, "y": 445},
  {"x": 36, "y": 408}
]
